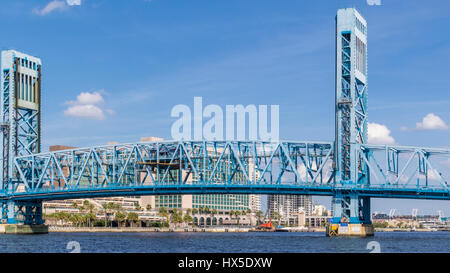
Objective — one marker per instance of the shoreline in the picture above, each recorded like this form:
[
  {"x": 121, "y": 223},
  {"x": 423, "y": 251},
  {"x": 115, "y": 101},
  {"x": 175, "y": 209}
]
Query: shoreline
[
  {"x": 55, "y": 229},
  {"x": 155, "y": 229}
]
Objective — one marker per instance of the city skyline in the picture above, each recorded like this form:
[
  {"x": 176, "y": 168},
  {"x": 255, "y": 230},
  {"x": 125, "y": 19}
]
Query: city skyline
[{"x": 231, "y": 59}]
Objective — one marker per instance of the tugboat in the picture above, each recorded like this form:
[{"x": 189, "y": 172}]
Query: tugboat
[{"x": 266, "y": 227}]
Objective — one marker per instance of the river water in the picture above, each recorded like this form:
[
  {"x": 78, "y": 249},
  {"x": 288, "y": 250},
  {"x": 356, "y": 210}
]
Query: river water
[{"x": 384, "y": 242}]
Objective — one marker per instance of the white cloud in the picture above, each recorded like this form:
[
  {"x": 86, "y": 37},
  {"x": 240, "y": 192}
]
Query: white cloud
[
  {"x": 56, "y": 5},
  {"x": 74, "y": 2},
  {"x": 379, "y": 134},
  {"x": 89, "y": 98},
  {"x": 88, "y": 111},
  {"x": 432, "y": 122},
  {"x": 89, "y": 106},
  {"x": 52, "y": 6}
]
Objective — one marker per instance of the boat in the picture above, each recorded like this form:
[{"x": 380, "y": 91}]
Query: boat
[
  {"x": 280, "y": 228},
  {"x": 266, "y": 227}
]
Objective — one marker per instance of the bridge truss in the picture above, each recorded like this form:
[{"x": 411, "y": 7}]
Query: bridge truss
[{"x": 238, "y": 167}]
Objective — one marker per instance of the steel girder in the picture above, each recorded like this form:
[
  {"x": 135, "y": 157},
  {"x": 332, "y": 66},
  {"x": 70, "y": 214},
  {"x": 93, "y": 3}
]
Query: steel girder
[
  {"x": 184, "y": 165},
  {"x": 20, "y": 110},
  {"x": 218, "y": 167},
  {"x": 350, "y": 114}
]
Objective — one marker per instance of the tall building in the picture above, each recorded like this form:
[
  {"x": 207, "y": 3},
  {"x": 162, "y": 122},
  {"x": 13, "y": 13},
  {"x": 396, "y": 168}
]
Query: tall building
[
  {"x": 255, "y": 202},
  {"x": 288, "y": 205}
]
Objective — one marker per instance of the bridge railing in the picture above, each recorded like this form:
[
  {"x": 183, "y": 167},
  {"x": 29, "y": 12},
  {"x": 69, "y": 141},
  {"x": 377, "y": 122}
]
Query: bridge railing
[{"x": 169, "y": 163}]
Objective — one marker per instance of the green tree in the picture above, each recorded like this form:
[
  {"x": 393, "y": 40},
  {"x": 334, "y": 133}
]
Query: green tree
[
  {"x": 90, "y": 210},
  {"x": 207, "y": 210},
  {"x": 187, "y": 219},
  {"x": 120, "y": 216},
  {"x": 137, "y": 206},
  {"x": 277, "y": 217},
  {"x": 76, "y": 219},
  {"x": 164, "y": 213},
  {"x": 177, "y": 218},
  {"x": 133, "y": 217},
  {"x": 259, "y": 215},
  {"x": 107, "y": 209},
  {"x": 213, "y": 213},
  {"x": 149, "y": 207},
  {"x": 238, "y": 213}
]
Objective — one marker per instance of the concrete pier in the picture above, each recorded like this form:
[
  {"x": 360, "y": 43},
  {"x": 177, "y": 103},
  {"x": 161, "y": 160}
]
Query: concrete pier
[
  {"x": 23, "y": 229},
  {"x": 342, "y": 229}
]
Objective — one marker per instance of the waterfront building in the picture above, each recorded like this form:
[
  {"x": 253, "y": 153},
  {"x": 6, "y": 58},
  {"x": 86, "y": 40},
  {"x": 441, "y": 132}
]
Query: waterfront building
[
  {"x": 255, "y": 202},
  {"x": 319, "y": 210},
  {"x": 287, "y": 205}
]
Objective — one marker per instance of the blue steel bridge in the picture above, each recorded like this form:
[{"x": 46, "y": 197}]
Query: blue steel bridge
[{"x": 348, "y": 168}]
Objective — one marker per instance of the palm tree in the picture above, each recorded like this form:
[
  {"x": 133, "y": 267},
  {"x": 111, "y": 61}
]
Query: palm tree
[
  {"x": 120, "y": 216},
  {"x": 88, "y": 207},
  {"x": 133, "y": 217},
  {"x": 213, "y": 212},
  {"x": 277, "y": 217},
  {"x": 176, "y": 217},
  {"x": 163, "y": 212},
  {"x": 259, "y": 215},
  {"x": 149, "y": 207},
  {"x": 238, "y": 213},
  {"x": 137, "y": 206},
  {"x": 107, "y": 207},
  {"x": 207, "y": 210}
]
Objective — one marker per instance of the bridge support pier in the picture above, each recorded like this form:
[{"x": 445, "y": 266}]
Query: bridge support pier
[
  {"x": 351, "y": 216},
  {"x": 22, "y": 218}
]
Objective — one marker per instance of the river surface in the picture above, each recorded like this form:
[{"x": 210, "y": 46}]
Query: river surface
[{"x": 384, "y": 242}]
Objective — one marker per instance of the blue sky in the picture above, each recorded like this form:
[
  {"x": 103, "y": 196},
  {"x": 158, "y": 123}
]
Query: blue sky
[{"x": 132, "y": 61}]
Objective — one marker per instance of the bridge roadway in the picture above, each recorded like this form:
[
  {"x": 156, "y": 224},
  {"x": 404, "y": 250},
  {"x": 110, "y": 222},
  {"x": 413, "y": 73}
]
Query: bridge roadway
[{"x": 226, "y": 167}]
